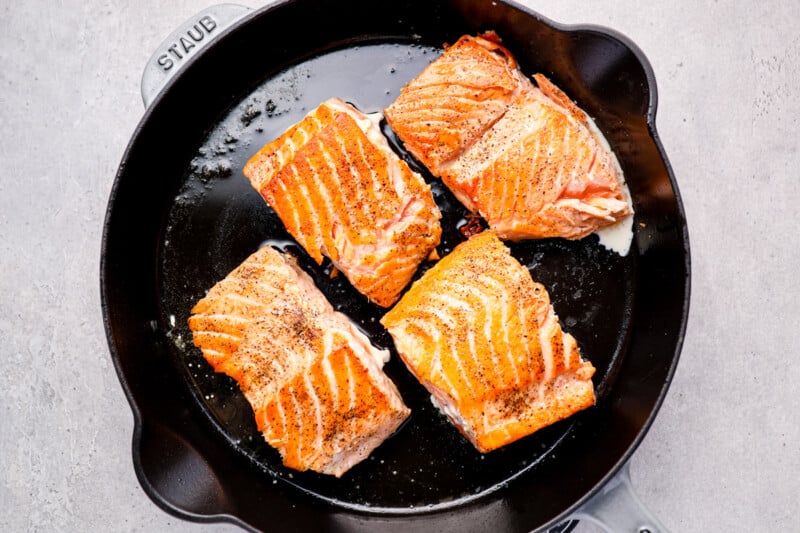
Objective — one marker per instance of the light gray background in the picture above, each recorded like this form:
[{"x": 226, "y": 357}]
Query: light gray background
[{"x": 724, "y": 453}]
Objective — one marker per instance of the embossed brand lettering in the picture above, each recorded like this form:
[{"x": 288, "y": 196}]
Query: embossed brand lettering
[
  {"x": 208, "y": 23},
  {"x": 165, "y": 62},
  {"x": 186, "y": 44},
  {"x": 177, "y": 50}
]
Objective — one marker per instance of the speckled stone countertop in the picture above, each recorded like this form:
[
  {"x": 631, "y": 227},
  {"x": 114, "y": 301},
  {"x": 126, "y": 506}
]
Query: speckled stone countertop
[{"x": 724, "y": 452}]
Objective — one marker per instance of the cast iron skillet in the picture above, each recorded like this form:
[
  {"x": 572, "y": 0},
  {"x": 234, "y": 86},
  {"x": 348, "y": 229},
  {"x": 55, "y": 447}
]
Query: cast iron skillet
[{"x": 181, "y": 216}]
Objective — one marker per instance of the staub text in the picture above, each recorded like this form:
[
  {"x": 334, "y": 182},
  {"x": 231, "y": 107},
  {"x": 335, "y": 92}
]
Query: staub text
[{"x": 193, "y": 36}]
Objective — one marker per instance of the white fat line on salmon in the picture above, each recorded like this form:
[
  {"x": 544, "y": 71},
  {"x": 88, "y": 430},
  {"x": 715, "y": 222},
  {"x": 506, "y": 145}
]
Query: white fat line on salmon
[
  {"x": 594, "y": 164},
  {"x": 528, "y": 325},
  {"x": 347, "y": 151},
  {"x": 285, "y": 194},
  {"x": 339, "y": 218},
  {"x": 401, "y": 263},
  {"x": 566, "y": 147},
  {"x": 395, "y": 172},
  {"x": 208, "y": 334},
  {"x": 502, "y": 301},
  {"x": 428, "y": 121},
  {"x": 308, "y": 133},
  {"x": 211, "y": 353},
  {"x": 373, "y": 175},
  {"x": 409, "y": 215},
  {"x": 487, "y": 308},
  {"x": 283, "y": 154},
  {"x": 437, "y": 372},
  {"x": 425, "y": 138},
  {"x": 476, "y": 158},
  {"x": 399, "y": 268},
  {"x": 264, "y": 287},
  {"x": 269, "y": 291},
  {"x": 436, "y": 369},
  {"x": 311, "y": 392},
  {"x": 497, "y": 196},
  {"x": 425, "y": 114},
  {"x": 299, "y": 429},
  {"x": 512, "y": 357},
  {"x": 546, "y": 332},
  {"x": 304, "y": 195},
  {"x": 241, "y": 299},
  {"x": 337, "y": 189},
  {"x": 498, "y": 299},
  {"x": 226, "y": 316},
  {"x": 255, "y": 396},
  {"x": 449, "y": 322},
  {"x": 281, "y": 438},
  {"x": 377, "y": 280},
  {"x": 286, "y": 151},
  {"x": 394, "y": 165},
  {"x": 290, "y": 356},
  {"x": 465, "y": 377},
  {"x": 370, "y": 126},
  {"x": 576, "y": 170},
  {"x": 326, "y": 212},
  {"x": 330, "y": 375},
  {"x": 291, "y": 149},
  {"x": 521, "y": 180},
  {"x": 568, "y": 341},
  {"x": 351, "y": 387}
]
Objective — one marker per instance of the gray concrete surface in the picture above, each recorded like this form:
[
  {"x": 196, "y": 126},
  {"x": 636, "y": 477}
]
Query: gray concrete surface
[{"x": 724, "y": 453}]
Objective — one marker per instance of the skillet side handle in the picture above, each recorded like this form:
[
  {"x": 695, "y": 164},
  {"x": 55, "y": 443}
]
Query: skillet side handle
[
  {"x": 617, "y": 509},
  {"x": 183, "y": 43}
]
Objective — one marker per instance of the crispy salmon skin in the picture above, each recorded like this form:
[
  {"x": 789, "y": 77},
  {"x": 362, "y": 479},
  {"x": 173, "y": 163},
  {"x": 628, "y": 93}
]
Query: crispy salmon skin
[
  {"x": 483, "y": 338},
  {"x": 342, "y": 193},
  {"x": 523, "y": 156},
  {"x": 314, "y": 381}
]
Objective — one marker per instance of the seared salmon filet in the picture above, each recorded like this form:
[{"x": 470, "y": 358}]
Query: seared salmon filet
[
  {"x": 455, "y": 100},
  {"x": 342, "y": 193},
  {"x": 534, "y": 165},
  {"x": 483, "y": 338},
  {"x": 314, "y": 381}
]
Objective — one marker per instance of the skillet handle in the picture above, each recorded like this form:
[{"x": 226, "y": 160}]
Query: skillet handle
[
  {"x": 617, "y": 509},
  {"x": 183, "y": 43}
]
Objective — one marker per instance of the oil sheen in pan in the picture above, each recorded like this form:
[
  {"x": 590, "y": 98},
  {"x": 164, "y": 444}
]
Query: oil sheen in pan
[{"x": 217, "y": 220}]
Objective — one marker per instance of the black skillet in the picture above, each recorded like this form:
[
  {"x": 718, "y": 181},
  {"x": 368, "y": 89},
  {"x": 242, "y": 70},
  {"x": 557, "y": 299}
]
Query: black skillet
[{"x": 181, "y": 216}]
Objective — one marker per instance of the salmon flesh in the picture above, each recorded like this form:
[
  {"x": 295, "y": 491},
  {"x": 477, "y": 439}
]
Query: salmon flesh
[
  {"x": 342, "y": 193},
  {"x": 314, "y": 381},
  {"x": 525, "y": 157},
  {"x": 483, "y": 338}
]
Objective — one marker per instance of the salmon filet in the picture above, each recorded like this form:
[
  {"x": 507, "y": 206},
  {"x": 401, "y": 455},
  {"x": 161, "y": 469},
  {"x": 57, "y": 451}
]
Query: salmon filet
[
  {"x": 342, "y": 193},
  {"x": 536, "y": 167},
  {"x": 455, "y": 100},
  {"x": 314, "y": 381},
  {"x": 484, "y": 340}
]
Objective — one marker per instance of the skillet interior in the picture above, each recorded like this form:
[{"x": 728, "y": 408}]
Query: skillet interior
[{"x": 185, "y": 163}]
